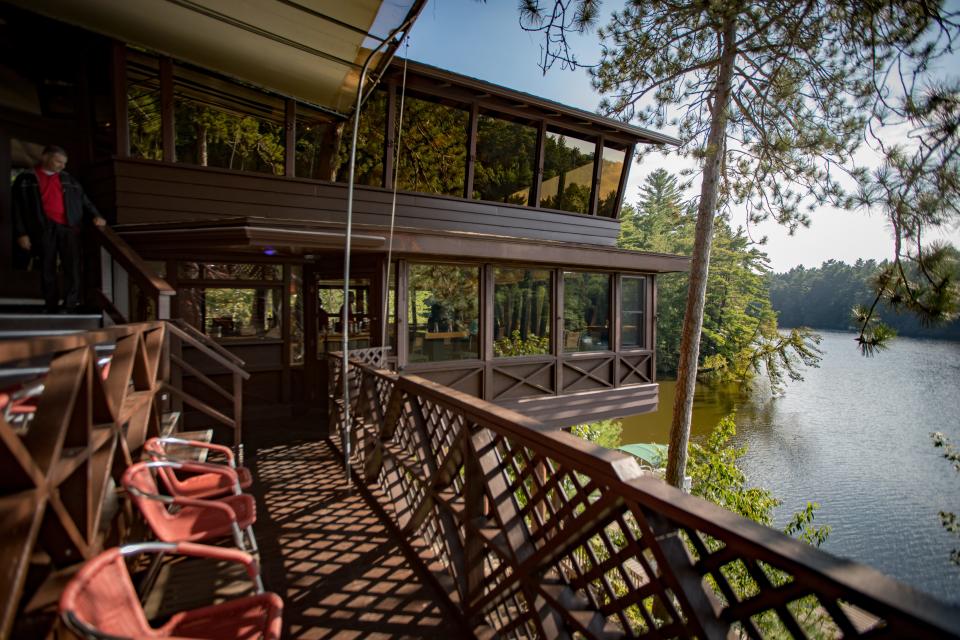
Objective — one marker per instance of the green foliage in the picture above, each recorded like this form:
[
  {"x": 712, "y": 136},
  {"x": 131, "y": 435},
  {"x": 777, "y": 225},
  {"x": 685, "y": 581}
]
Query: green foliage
[
  {"x": 606, "y": 433},
  {"x": 433, "y": 148},
  {"x": 820, "y": 297},
  {"x": 516, "y": 345},
  {"x": 740, "y": 338},
  {"x": 949, "y": 519}
]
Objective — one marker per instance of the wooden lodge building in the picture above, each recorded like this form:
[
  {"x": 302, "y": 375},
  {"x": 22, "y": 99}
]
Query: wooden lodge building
[
  {"x": 487, "y": 308},
  {"x": 229, "y": 180}
]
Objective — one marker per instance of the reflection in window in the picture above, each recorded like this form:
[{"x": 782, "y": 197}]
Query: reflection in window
[
  {"x": 611, "y": 168},
  {"x": 443, "y": 318},
  {"x": 330, "y": 315},
  {"x": 434, "y": 148},
  {"x": 506, "y": 152},
  {"x": 586, "y": 311},
  {"x": 318, "y": 145},
  {"x": 223, "y": 124},
  {"x": 371, "y": 143},
  {"x": 229, "y": 271},
  {"x": 632, "y": 293},
  {"x": 233, "y": 313},
  {"x": 567, "y": 173},
  {"x": 521, "y": 312},
  {"x": 143, "y": 107},
  {"x": 297, "y": 337}
]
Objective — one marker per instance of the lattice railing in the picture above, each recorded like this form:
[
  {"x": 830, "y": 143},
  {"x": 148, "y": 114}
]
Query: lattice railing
[
  {"x": 84, "y": 420},
  {"x": 541, "y": 534}
]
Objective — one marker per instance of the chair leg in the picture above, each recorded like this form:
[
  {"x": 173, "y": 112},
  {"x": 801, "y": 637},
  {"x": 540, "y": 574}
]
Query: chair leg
[
  {"x": 238, "y": 537},
  {"x": 253, "y": 541},
  {"x": 146, "y": 585}
]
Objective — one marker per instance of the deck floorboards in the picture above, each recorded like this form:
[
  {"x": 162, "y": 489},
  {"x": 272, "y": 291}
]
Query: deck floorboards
[{"x": 325, "y": 551}]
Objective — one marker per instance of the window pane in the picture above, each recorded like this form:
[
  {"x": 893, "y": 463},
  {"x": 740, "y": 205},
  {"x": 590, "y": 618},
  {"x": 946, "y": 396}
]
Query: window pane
[
  {"x": 567, "y": 173},
  {"x": 444, "y": 312},
  {"x": 233, "y": 313},
  {"x": 506, "y": 152},
  {"x": 223, "y": 124},
  {"x": 521, "y": 312},
  {"x": 632, "y": 312},
  {"x": 371, "y": 143},
  {"x": 296, "y": 315},
  {"x": 434, "y": 148},
  {"x": 586, "y": 311},
  {"x": 330, "y": 314},
  {"x": 143, "y": 107},
  {"x": 318, "y": 145},
  {"x": 610, "y": 171},
  {"x": 229, "y": 271}
]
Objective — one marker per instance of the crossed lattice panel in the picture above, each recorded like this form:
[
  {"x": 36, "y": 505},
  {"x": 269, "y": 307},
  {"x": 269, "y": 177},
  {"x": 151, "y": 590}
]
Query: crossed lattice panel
[
  {"x": 547, "y": 536},
  {"x": 54, "y": 477}
]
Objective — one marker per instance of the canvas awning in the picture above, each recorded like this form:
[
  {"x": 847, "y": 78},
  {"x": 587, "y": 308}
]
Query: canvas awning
[{"x": 311, "y": 50}]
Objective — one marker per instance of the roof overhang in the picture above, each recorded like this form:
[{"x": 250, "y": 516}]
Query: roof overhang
[
  {"x": 311, "y": 50},
  {"x": 257, "y": 236}
]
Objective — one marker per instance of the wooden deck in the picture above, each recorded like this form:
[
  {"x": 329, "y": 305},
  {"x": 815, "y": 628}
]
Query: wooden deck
[{"x": 325, "y": 550}]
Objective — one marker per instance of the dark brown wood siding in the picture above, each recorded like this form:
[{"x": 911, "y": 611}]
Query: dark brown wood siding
[{"x": 147, "y": 191}]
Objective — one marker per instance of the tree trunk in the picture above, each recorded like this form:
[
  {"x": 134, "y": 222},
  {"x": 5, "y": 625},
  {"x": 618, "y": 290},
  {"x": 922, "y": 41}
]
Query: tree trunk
[{"x": 700, "y": 262}]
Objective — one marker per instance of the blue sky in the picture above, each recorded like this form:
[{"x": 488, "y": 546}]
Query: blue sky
[{"x": 484, "y": 40}]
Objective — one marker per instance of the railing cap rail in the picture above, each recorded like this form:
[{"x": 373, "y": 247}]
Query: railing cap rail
[{"x": 126, "y": 256}]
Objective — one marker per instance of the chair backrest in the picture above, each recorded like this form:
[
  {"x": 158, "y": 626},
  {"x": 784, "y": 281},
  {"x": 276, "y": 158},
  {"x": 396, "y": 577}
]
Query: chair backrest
[
  {"x": 102, "y": 597},
  {"x": 156, "y": 451},
  {"x": 138, "y": 479}
]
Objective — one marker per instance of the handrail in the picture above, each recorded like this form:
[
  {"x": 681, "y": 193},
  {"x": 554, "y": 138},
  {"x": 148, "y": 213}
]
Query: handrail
[
  {"x": 15, "y": 350},
  {"x": 182, "y": 334},
  {"x": 210, "y": 342},
  {"x": 545, "y": 534},
  {"x": 133, "y": 266}
]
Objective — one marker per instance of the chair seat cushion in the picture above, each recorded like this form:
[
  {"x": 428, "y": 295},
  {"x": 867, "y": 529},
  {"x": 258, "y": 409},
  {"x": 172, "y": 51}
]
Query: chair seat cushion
[
  {"x": 206, "y": 485},
  {"x": 194, "y": 524}
]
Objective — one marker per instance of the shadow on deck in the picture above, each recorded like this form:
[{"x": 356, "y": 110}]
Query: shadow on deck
[{"x": 330, "y": 556}]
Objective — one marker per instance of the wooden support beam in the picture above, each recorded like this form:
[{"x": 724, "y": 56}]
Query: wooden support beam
[
  {"x": 121, "y": 121},
  {"x": 167, "y": 125}
]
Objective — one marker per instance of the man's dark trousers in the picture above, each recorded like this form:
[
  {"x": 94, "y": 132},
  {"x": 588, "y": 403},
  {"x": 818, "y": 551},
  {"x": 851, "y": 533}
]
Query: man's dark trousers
[{"x": 65, "y": 241}]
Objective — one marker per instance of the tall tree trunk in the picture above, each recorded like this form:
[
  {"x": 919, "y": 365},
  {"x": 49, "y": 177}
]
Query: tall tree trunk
[{"x": 700, "y": 261}]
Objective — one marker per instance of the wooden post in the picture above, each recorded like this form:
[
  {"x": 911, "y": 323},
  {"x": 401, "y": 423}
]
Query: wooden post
[
  {"x": 290, "y": 138},
  {"x": 166, "y": 111},
  {"x": 237, "y": 409},
  {"x": 121, "y": 122},
  {"x": 597, "y": 168},
  {"x": 624, "y": 176},
  {"x": 6, "y": 229},
  {"x": 285, "y": 333},
  {"x": 473, "y": 500}
]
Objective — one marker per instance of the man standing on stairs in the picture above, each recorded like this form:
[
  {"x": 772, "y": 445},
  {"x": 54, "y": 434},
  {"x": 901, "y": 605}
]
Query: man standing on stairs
[{"x": 49, "y": 207}]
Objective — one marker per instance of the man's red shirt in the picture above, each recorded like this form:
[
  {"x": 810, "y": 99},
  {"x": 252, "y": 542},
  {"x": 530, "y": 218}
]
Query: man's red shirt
[{"x": 51, "y": 194}]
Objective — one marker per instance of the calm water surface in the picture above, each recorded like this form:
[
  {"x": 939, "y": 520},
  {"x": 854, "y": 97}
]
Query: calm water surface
[{"x": 855, "y": 437}]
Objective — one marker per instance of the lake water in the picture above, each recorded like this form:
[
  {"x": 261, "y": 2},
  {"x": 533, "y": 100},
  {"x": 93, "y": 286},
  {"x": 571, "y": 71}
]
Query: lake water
[{"x": 854, "y": 436}]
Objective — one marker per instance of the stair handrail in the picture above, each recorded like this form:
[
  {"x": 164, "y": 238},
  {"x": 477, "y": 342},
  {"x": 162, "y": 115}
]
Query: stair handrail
[
  {"x": 152, "y": 285},
  {"x": 183, "y": 333}
]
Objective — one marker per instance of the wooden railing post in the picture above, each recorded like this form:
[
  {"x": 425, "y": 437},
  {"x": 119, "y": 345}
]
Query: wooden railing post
[
  {"x": 237, "y": 408},
  {"x": 473, "y": 499}
]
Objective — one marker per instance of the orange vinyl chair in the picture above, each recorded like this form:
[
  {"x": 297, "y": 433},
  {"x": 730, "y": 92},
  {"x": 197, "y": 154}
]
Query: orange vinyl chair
[
  {"x": 193, "y": 520},
  {"x": 197, "y": 485},
  {"x": 100, "y": 602}
]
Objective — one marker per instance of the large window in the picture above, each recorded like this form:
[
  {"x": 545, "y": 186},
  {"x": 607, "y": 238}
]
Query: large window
[
  {"x": 143, "y": 107},
  {"x": 319, "y": 139},
  {"x": 506, "y": 153},
  {"x": 433, "y": 156},
  {"x": 567, "y": 173},
  {"x": 330, "y": 314},
  {"x": 611, "y": 168},
  {"x": 632, "y": 308},
  {"x": 371, "y": 143},
  {"x": 521, "y": 312},
  {"x": 443, "y": 317},
  {"x": 233, "y": 313},
  {"x": 586, "y": 311},
  {"x": 229, "y": 271},
  {"x": 224, "y": 124}
]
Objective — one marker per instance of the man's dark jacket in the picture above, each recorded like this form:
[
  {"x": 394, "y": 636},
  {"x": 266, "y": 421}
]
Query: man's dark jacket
[{"x": 28, "y": 215}]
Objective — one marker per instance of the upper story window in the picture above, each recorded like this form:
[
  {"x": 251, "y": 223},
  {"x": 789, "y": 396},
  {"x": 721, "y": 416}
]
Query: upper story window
[
  {"x": 318, "y": 142},
  {"x": 371, "y": 143},
  {"x": 433, "y": 156},
  {"x": 143, "y": 107},
  {"x": 223, "y": 124},
  {"x": 611, "y": 169},
  {"x": 567, "y": 173},
  {"x": 506, "y": 153}
]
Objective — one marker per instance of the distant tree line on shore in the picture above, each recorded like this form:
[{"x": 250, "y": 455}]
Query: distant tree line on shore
[{"x": 823, "y": 297}]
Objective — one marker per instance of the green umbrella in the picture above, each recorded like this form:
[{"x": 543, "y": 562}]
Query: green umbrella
[{"x": 651, "y": 453}]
